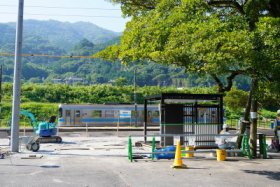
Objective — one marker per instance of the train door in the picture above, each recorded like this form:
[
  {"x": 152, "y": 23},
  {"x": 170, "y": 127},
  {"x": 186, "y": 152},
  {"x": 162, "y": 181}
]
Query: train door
[
  {"x": 68, "y": 117},
  {"x": 77, "y": 118}
]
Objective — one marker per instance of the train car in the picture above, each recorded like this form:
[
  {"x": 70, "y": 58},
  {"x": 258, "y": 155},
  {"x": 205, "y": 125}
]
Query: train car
[{"x": 105, "y": 115}]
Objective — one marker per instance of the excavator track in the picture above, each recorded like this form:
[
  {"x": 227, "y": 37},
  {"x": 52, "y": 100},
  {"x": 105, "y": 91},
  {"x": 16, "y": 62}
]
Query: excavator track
[{"x": 50, "y": 139}]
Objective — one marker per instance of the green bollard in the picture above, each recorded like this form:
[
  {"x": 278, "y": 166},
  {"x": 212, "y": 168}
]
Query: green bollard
[
  {"x": 246, "y": 147},
  {"x": 129, "y": 149},
  {"x": 248, "y": 150},
  {"x": 264, "y": 147},
  {"x": 153, "y": 147}
]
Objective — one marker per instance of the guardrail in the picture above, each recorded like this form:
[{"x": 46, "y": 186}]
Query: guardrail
[{"x": 245, "y": 147}]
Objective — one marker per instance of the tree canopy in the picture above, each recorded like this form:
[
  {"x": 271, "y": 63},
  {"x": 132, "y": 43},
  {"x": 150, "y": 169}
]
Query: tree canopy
[
  {"x": 221, "y": 38},
  {"x": 203, "y": 37}
]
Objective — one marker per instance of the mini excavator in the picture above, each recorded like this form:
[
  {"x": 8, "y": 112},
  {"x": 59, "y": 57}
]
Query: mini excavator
[{"x": 45, "y": 132}]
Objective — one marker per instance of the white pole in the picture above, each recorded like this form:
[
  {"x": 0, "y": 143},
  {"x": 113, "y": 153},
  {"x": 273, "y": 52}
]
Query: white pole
[
  {"x": 17, "y": 75},
  {"x": 24, "y": 128},
  {"x": 118, "y": 126},
  {"x": 86, "y": 130}
]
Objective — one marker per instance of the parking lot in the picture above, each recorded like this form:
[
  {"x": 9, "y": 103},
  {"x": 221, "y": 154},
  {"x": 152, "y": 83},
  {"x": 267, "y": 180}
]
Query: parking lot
[{"x": 100, "y": 159}]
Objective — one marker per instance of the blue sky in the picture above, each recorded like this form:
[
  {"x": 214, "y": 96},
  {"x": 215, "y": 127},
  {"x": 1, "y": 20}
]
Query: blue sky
[{"x": 99, "y": 12}]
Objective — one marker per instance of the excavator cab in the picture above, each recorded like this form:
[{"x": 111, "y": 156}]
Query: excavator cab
[
  {"x": 46, "y": 129},
  {"x": 52, "y": 119}
]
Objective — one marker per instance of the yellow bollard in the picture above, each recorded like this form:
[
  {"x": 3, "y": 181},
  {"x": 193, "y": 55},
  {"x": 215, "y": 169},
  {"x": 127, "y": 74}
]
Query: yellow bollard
[
  {"x": 189, "y": 148},
  {"x": 221, "y": 154}
]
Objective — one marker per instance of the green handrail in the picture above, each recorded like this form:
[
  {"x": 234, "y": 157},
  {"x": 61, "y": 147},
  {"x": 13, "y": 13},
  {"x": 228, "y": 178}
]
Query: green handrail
[
  {"x": 153, "y": 147},
  {"x": 129, "y": 149}
]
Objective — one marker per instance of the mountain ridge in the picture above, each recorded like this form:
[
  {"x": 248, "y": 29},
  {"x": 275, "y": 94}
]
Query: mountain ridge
[
  {"x": 83, "y": 39},
  {"x": 63, "y": 34}
]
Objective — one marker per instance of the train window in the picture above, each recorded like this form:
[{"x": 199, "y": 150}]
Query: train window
[
  {"x": 140, "y": 114},
  {"x": 155, "y": 113},
  {"x": 109, "y": 113},
  {"x": 116, "y": 113},
  {"x": 133, "y": 113},
  {"x": 96, "y": 113},
  {"x": 77, "y": 113},
  {"x": 68, "y": 113},
  {"x": 60, "y": 110}
]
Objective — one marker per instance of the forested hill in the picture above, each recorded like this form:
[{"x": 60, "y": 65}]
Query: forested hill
[
  {"x": 63, "y": 35},
  {"x": 83, "y": 39}
]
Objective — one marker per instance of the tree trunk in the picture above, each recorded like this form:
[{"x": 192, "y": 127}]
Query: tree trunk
[
  {"x": 246, "y": 114},
  {"x": 253, "y": 129}
]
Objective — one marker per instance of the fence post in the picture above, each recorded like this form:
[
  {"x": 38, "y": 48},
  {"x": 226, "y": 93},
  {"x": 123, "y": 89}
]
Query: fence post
[
  {"x": 129, "y": 149},
  {"x": 153, "y": 147},
  {"x": 86, "y": 129}
]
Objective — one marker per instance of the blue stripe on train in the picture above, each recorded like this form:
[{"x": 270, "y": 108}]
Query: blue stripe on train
[
  {"x": 111, "y": 120},
  {"x": 88, "y": 120}
]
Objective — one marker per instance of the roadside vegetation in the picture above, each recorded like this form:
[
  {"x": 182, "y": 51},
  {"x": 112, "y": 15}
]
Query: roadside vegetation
[{"x": 43, "y": 99}]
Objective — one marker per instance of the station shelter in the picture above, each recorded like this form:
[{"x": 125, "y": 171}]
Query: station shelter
[{"x": 183, "y": 114}]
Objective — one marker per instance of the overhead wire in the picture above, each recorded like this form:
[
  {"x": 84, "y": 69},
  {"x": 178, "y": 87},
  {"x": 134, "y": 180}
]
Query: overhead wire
[
  {"x": 45, "y": 55},
  {"x": 60, "y": 7},
  {"x": 56, "y": 7},
  {"x": 64, "y": 15}
]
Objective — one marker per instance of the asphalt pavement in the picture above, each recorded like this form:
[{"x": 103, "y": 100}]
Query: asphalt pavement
[{"x": 100, "y": 159}]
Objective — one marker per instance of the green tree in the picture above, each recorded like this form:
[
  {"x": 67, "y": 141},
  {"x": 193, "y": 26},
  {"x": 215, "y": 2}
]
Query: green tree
[
  {"x": 121, "y": 81},
  {"x": 215, "y": 37}
]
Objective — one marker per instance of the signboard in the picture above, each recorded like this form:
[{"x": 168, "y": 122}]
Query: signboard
[
  {"x": 253, "y": 115},
  {"x": 125, "y": 113}
]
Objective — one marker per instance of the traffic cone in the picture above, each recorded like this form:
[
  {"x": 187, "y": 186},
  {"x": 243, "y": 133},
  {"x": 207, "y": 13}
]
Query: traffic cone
[{"x": 178, "y": 163}]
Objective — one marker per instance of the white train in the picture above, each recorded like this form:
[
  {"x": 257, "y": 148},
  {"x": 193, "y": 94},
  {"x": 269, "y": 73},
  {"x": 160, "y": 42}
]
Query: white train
[{"x": 105, "y": 115}]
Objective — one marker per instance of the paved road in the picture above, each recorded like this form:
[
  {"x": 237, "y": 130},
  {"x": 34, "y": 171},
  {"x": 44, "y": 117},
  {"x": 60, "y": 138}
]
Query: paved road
[
  {"x": 104, "y": 130},
  {"x": 102, "y": 161}
]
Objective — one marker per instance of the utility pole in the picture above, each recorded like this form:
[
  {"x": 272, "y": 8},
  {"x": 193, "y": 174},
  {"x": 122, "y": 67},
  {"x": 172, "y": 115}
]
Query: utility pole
[
  {"x": 17, "y": 76},
  {"x": 0, "y": 92},
  {"x": 0, "y": 85},
  {"x": 135, "y": 99}
]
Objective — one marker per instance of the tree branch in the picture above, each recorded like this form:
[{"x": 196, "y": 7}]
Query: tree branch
[
  {"x": 147, "y": 5},
  {"x": 227, "y": 3},
  {"x": 219, "y": 82},
  {"x": 230, "y": 79}
]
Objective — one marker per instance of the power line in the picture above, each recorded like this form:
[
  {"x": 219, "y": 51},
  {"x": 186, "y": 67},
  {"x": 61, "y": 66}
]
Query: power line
[
  {"x": 64, "y": 15},
  {"x": 60, "y": 7},
  {"x": 45, "y": 55}
]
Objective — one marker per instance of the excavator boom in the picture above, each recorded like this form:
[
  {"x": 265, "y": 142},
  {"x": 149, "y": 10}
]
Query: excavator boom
[{"x": 31, "y": 117}]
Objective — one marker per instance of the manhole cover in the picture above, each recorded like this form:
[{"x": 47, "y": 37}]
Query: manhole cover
[{"x": 50, "y": 166}]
